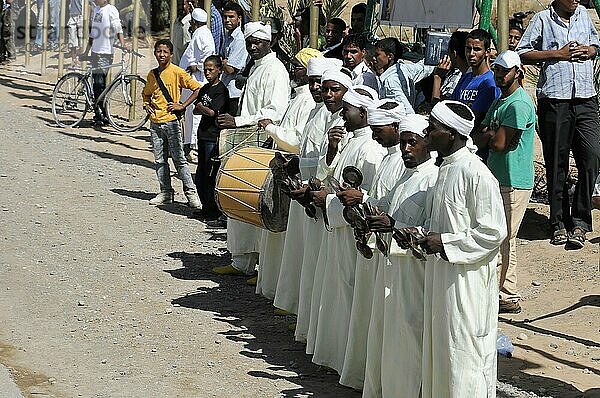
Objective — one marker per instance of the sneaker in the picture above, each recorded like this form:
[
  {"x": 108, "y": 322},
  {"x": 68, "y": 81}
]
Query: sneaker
[
  {"x": 227, "y": 270},
  {"x": 252, "y": 281},
  {"x": 219, "y": 223},
  {"x": 193, "y": 199},
  {"x": 162, "y": 198},
  {"x": 509, "y": 307}
]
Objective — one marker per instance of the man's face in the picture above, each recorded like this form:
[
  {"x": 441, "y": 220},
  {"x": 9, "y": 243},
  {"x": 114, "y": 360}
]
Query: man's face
[
  {"x": 187, "y": 6},
  {"x": 352, "y": 56},
  {"x": 386, "y": 135},
  {"x": 352, "y": 115},
  {"x": 332, "y": 93},
  {"x": 314, "y": 85},
  {"x": 382, "y": 61},
  {"x": 257, "y": 48},
  {"x": 438, "y": 138},
  {"x": 475, "y": 52},
  {"x": 357, "y": 22},
  {"x": 100, "y": 3},
  {"x": 163, "y": 54},
  {"x": 514, "y": 36},
  {"x": 414, "y": 149},
  {"x": 297, "y": 72},
  {"x": 568, "y": 6},
  {"x": 333, "y": 35},
  {"x": 505, "y": 77},
  {"x": 231, "y": 20}
]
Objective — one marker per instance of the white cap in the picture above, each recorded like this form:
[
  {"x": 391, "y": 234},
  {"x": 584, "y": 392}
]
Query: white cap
[
  {"x": 508, "y": 59},
  {"x": 199, "y": 15},
  {"x": 258, "y": 30},
  {"x": 317, "y": 66}
]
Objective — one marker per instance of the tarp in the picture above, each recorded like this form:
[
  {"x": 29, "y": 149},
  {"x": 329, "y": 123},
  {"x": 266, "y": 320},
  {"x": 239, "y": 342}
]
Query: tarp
[{"x": 428, "y": 13}]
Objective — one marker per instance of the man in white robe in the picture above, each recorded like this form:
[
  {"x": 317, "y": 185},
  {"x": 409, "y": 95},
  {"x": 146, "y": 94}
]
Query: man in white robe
[
  {"x": 395, "y": 336},
  {"x": 466, "y": 228},
  {"x": 286, "y": 137},
  {"x": 200, "y": 47},
  {"x": 384, "y": 118},
  {"x": 266, "y": 96},
  {"x": 337, "y": 260},
  {"x": 302, "y": 229}
]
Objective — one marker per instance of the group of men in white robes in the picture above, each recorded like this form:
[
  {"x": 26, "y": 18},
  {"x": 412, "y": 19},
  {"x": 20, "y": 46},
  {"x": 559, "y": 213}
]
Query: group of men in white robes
[{"x": 393, "y": 322}]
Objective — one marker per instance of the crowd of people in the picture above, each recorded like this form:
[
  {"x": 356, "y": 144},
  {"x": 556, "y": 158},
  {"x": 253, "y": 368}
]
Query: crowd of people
[
  {"x": 446, "y": 158},
  {"x": 447, "y": 176}
]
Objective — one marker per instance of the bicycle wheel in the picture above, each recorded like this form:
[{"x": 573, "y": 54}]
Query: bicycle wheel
[
  {"x": 124, "y": 104},
  {"x": 69, "y": 100}
]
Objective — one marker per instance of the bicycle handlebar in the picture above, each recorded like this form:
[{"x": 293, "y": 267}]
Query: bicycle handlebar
[{"x": 127, "y": 50}]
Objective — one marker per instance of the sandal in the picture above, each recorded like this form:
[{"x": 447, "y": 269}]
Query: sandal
[
  {"x": 559, "y": 237},
  {"x": 577, "y": 238}
]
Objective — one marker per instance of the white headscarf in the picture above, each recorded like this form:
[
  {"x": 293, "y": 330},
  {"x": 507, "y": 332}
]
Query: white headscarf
[
  {"x": 198, "y": 14},
  {"x": 414, "y": 123},
  {"x": 337, "y": 76},
  {"x": 317, "y": 66},
  {"x": 359, "y": 100},
  {"x": 449, "y": 118},
  {"x": 380, "y": 117},
  {"x": 258, "y": 30}
]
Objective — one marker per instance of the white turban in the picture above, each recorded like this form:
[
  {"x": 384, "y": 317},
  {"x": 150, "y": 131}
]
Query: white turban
[
  {"x": 360, "y": 100},
  {"x": 414, "y": 123},
  {"x": 317, "y": 66},
  {"x": 380, "y": 117},
  {"x": 258, "y": 30},
  {"x": 446, "y": 116},
  {"x": 198, "y": 14},
  {"x": 337, "y": 76}
]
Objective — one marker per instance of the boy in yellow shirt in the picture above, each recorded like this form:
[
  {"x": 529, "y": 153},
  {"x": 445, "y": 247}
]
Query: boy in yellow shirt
[{"x": 161, "y": 100}]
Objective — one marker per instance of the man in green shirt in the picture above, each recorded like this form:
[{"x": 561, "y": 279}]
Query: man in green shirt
[{"x": 508, "y": 131}]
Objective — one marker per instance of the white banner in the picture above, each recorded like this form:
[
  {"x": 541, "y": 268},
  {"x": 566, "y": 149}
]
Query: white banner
[{"x": 428, "y": 13}]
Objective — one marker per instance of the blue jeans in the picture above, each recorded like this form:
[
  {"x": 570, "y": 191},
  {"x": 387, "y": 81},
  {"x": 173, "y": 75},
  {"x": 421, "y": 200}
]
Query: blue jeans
[
  {"x": 54, "y": 14},
  {"x": 206, "y": 175},
  {"x": 166, "y": 139}
]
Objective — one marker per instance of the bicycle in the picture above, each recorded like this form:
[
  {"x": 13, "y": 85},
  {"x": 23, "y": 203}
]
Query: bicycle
[{"x": 73, "y": 97}]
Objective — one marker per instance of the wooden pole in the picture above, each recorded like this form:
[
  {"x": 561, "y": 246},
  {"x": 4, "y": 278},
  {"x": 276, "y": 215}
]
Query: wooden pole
[
  {"x": 313, "y": 37},
  {"x": 256, "y": 10},
  {"x": 134, "y": 59},
  {"x": 44, "y": 62},
  {"x": 85, "y": 11},
  {"x": 208, "y": 9},
  {"x": 27, "y": 32},
  {"x": 173, "y": 16},
  {"x": 502, "y": 25},
  {"x": 61, "y": 37}
]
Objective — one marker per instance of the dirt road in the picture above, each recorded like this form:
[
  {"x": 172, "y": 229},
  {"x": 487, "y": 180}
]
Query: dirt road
[{"x": 102, "y": 295}]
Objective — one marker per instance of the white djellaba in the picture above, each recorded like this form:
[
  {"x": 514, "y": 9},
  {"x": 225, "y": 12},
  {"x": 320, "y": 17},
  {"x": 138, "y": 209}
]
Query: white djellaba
[{"x": 336, "y": 265}]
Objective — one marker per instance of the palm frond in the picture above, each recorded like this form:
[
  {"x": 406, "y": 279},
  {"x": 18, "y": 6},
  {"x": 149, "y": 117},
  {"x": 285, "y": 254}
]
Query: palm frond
[{"x": 333, "y": 8}]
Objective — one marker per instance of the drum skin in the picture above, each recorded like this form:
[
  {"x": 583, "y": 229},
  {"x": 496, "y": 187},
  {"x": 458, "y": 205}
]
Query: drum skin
[{"x": 245, "y": 190}]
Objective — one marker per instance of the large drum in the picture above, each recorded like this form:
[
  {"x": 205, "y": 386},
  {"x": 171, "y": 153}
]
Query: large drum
[
  {"x": 230, "y": 140},
  {"x": 246, "y": 191}
]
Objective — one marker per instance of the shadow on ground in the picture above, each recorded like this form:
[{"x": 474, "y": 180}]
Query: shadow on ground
[{"x": 271, "y": 340}]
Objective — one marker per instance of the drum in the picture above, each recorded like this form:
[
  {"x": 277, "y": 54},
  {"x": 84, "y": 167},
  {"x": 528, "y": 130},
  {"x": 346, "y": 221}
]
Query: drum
[
  {"x": 245, "y": 190},
  {"x": 230, "y": 140}
]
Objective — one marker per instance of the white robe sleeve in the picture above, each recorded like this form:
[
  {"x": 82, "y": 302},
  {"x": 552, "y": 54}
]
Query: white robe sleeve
[{"x": 487, "y": 229}]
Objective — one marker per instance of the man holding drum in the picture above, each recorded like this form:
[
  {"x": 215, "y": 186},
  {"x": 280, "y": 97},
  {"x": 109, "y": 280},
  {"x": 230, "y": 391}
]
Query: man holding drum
[{"x": 266, "y": 96}]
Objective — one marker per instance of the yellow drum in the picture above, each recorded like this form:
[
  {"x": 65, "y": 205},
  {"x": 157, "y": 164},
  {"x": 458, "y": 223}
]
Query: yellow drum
[{"x": 245, "y": 190}]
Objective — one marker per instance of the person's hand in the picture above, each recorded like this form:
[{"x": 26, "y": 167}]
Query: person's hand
[
  {"x": 380, "y": 223},
  {"x": 150, "y": 110},
  {"x": 175, "y": 107},
  {"x": 300, "y": 194},
  {"x": 240, "y": 82},
  {"x": 582, "y": 53},
  {"x": 264, "y": 123},
  {"x": 226, "y": 121},
  {"x": 319, "y": 198},
  {"x": 224, "y": 62},
  {"x": 432, "y": 243},
  {"x": 443, "y": 67},
  {"x": 566, "y": 52},
  {"x": 335, "y": 135},
  {"x": 192, "y": 69},
  {"x": 350, "y": 197}
]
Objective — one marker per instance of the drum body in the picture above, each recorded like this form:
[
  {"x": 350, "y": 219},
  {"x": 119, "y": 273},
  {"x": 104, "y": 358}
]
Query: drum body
[{"x": 245, "y": 190}]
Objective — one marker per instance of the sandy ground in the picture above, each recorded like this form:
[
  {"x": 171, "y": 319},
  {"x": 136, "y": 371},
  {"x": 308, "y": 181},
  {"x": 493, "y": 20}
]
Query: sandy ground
[{"x": 102, "y": 295}]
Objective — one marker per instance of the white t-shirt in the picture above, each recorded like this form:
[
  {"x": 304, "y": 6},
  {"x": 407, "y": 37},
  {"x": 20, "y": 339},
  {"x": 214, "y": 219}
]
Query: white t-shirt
[
  {"x": 106, "y": 24},
  {"x": 597, "y": 187}
]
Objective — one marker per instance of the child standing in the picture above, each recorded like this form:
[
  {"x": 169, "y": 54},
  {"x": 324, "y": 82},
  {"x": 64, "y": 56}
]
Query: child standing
[
  {"x": 212, "y": 99},
  {"x": 161, "y": 100}
]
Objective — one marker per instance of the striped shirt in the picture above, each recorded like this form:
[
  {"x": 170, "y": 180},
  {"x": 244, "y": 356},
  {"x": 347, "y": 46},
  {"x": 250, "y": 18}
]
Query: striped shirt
[
  {"x": 216, "y": 28},
  {"x": 561, "y": 79}
]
